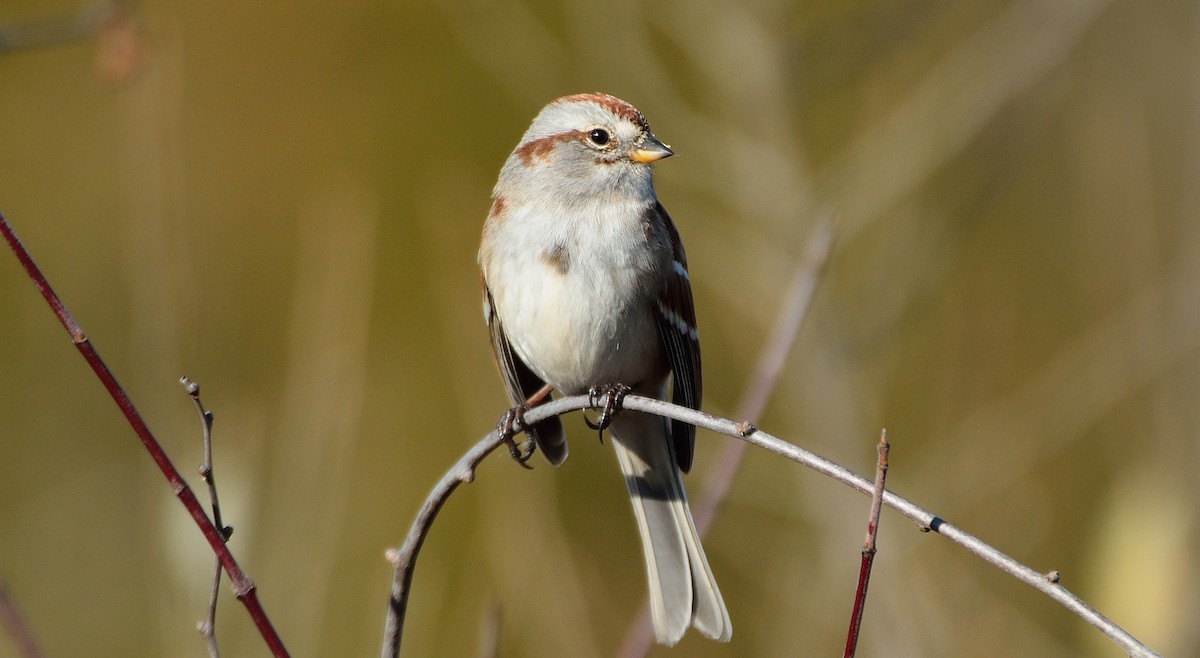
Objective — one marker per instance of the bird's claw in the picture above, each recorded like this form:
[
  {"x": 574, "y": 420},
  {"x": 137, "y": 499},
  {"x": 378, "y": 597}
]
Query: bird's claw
[
  {"x": 512, "y": 422},
  {"x": 614, "y": 396}
]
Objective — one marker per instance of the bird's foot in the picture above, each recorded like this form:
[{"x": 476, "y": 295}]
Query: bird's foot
[
  {"x": 613, "y": 396},
  {"x": 512, "y": 422}
]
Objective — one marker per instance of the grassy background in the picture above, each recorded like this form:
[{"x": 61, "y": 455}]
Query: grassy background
[{"x": 283, "y": 201}]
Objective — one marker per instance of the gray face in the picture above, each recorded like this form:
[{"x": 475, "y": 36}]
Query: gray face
[{"x": 560, "y": 152}]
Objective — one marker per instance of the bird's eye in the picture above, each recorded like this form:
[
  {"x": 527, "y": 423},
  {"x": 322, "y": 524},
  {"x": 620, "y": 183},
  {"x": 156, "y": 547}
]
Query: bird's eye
[{"x": 599, "y": 136}]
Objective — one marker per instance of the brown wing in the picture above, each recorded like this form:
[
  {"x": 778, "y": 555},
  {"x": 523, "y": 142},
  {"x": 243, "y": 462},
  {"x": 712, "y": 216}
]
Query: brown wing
[
  {"x": 521, "y": 382},
  {"x": 677, "y": 325}
]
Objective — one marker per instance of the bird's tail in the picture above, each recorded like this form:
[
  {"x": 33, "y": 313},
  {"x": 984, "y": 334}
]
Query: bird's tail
[{"x": 682, "y": 589}]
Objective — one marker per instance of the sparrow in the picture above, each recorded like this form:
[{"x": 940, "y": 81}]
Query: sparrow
[{"x": 585, "y": 285}]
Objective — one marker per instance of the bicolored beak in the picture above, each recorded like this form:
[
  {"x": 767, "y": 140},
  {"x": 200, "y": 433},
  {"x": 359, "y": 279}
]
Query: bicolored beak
[{"x": 650, "y": 150}]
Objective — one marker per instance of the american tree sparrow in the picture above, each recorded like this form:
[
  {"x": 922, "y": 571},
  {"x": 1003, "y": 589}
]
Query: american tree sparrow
[{"x": 585, "y": 284}]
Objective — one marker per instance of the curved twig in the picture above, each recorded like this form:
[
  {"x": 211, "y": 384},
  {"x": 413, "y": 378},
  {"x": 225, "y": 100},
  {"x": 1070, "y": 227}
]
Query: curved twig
[{"x": 404, "y": 558}]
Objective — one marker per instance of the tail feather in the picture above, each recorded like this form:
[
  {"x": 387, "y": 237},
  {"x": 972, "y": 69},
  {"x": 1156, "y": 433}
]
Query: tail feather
[{"x": 682, "y": 589}]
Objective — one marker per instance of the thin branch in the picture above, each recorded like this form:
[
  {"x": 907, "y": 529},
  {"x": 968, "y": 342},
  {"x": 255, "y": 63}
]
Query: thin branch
[
  {"x": 868, "y": 549},
  {"x": 715, "y": 486},
  {"x": 208, "y": 627},
  {"x": 766, "y": 373},
  {"x": 404, "y": 559},
  {"x": 243, "y": 588},
  {"x": 15, "y": 626}
]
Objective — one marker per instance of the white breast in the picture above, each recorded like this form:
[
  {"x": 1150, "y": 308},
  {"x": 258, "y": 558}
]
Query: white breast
[{"x": 576, "y": 295}]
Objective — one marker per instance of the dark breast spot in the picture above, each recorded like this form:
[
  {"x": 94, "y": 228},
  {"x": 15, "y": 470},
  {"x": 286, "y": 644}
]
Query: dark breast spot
[{"x": 557, "y": 258}]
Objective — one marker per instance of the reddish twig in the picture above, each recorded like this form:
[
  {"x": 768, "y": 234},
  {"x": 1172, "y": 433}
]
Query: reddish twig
[
  {"x": 868, "y": 549},
  {"x": 15, "y": 626},
  {"x": 243, "y": 588}
]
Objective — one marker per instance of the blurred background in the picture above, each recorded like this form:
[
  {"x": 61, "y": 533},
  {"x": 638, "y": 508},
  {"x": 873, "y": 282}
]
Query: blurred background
[{"x": 283, "y": 202}]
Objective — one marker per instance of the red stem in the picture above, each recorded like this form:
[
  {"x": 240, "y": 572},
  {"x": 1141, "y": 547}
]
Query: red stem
[
  {"x": 243, "y": 588},
  {"x": 868, "y": 549},
  {"x": 860, "y": 598}
]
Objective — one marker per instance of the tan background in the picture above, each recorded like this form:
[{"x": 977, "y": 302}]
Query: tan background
[{"x": 283, "y": 200}]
